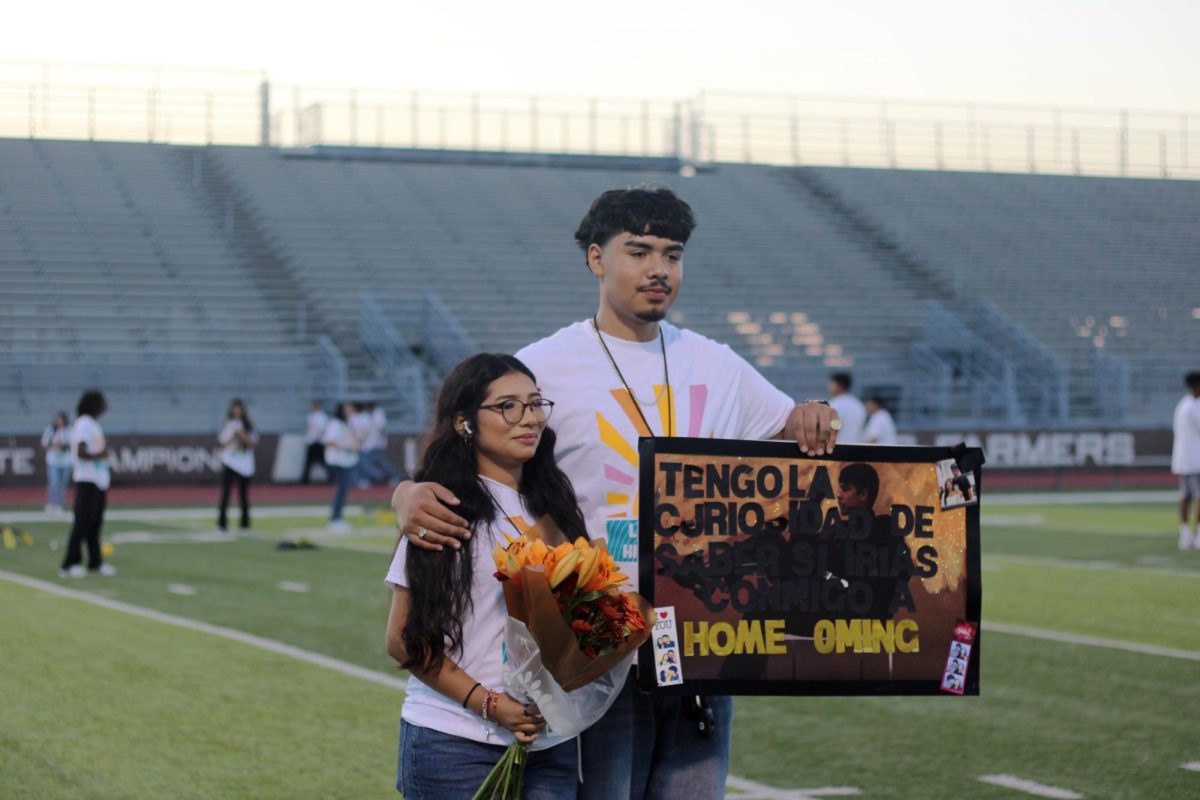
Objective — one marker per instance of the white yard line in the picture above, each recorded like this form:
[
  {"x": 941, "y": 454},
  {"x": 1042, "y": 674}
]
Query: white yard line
[
  {"x": 1091, "y": 641},
  {"x": 1078, "y": 498},
  {"x": 344, "y": 667},
  {"x": 1030, "y": 787},
  {"x": 181, "y": 589},
  {"x": 760, "y": 791},
  {"x": 1110, "y": 566},
  {"x": 292, "y": 586},
  {"x": 194, "y": 512},
  {"x": 1194, "y": 766}
]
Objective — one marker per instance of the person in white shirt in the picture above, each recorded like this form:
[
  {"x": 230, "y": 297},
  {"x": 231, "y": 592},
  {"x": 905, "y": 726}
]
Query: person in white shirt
[
  {"x": 491, "y": 447},
  {"x": 1185, "y": 460},
  {"x": 237, "y": 439},
  {"x": 314, "y": 452},
  {"x": 56, "y": 441},
  {"x": 850, "y": 409},
  {"x": 341, "y": 456},
  {"x": 89, "y": 462},
  {"x": 881, "y": 428},
  {"x": 622, "y": 374},
  {"x": 373, "y": 465}
]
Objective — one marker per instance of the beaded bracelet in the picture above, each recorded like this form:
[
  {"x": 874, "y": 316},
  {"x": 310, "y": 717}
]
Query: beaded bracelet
[{"x": 489, "y": 699}]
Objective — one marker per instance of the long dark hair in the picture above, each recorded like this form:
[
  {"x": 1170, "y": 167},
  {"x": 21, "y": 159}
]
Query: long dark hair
[
  {"x": 247, "y": 425},
  {"x": 439, "y": 582}
]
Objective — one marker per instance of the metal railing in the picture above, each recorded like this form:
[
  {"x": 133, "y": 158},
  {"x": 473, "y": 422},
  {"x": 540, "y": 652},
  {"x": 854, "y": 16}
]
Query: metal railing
[
  {"x": 244, "y": 108},
  {"x": 443, "y": 340},
  {"x": 393, "y": 359}
]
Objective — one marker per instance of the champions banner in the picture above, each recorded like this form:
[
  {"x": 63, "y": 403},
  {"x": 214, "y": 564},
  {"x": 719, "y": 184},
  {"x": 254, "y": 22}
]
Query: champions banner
[{"x": 776, "y": 573}]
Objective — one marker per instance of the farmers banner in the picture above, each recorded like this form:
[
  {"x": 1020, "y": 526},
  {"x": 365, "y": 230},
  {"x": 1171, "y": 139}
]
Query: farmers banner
[{"x": 772, "y": 572}]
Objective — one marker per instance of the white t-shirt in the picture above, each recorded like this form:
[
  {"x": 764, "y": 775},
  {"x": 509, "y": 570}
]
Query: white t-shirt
[
  {"x": 1185, "y": 452},
  {"x": 881, "y": 428},
  {"x": 316, "y": 426},
  {"x": 377, "y": 440},
  {"x": 341, "y": 445},
  {"x": 89, "y": 470},
  {"x": 482, "y": 655},
  {"x": 234, "y": 455},
  {"x": 716, "y": 392},
  {"x": 853, "y": 415},
  {"x": 57, "y": 442}
]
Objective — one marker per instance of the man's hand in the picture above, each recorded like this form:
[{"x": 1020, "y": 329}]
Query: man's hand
[
  {"x": 809, "y": 425},
  {"x": 426, "y": 507}
]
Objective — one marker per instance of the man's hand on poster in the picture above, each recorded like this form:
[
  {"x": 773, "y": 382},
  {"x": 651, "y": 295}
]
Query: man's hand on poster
[
  {"x": 813, "y": 425},
  {"x": 425, "y": 517}
]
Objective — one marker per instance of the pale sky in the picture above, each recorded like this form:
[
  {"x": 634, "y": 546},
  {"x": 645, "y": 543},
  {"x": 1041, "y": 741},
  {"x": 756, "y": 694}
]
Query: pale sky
[{"x": 1109, "y": 53}]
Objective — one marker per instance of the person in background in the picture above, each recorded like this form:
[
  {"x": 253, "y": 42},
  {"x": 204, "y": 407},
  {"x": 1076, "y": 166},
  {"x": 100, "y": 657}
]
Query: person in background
[
  {"x": 1185, "y": 460},
  {"x": 237, "y": 438},
  {"x": 341, "y": 456},
  {"x": 881, "y": 428},
  {"x": 89, "y": 462},
  {"x": 314, "y": 453},
  {"x": 360, "y": 425},
  {"x": 373, "y": 465},
  {"x": 56, "y": 441},
  {"x": 850, "y": 409}
]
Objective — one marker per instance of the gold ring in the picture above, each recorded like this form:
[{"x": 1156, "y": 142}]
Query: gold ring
[{"x": 835, "y": 424}]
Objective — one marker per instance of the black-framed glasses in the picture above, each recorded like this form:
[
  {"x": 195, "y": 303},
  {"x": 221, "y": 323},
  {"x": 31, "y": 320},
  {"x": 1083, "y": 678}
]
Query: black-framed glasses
[{"x": 513, "y": 411}]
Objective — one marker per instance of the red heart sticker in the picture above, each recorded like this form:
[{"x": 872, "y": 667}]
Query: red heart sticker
[{"x": 662, "y": 614}]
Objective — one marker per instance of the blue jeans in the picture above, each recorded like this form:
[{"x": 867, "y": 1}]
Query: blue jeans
[
  {"x": 646, "y": 748},
  {"x": 373, "y": 467},
  {"x": 437, "y": 766},
  {"x": 57, "y": 479},
  {"x": 342, "y": 476}
]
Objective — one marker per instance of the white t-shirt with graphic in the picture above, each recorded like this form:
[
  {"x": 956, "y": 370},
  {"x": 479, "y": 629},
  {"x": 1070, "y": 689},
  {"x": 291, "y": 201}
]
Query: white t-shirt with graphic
[
  {"x": 482, "y": 655},
  {"x": 234, "y": 454},
  {"x": 89, "y": 470},
  {"x": 716, "y": 394}
]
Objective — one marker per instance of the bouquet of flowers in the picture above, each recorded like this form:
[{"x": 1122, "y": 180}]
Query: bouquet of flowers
[{"x": 570, "y": 637}]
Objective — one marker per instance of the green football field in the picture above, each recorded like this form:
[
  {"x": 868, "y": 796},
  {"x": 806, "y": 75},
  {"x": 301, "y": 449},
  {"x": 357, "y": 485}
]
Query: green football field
[{"x": 230, "y": 669}]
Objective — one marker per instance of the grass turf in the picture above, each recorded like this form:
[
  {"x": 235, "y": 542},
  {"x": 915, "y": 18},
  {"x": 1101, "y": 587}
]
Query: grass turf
[{"x": 1100, "y": 722}]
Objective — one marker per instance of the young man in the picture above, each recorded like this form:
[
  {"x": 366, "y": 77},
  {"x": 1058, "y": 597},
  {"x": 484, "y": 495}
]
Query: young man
[
  {"x": 850, "y": 409},
  {"x": 1185, "y": 459},
  {"x": 617, "y": 376}
]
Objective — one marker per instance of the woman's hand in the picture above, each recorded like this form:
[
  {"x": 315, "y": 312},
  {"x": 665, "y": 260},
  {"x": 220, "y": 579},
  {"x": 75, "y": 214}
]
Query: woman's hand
[{"x": 509, "y": 714}]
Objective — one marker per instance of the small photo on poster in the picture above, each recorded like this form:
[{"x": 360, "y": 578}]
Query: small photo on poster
[
  {"x": 952, "y": 683},
  {"x": 955, "y": 487}
]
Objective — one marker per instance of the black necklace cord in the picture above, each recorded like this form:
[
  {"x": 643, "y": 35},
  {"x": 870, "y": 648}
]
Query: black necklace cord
[{"x": 666, "y": 380}]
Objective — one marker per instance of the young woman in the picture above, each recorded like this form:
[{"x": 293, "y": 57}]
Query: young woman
[
  {"x": 237, "y": 438},
  {"x": 56, "y": 441},
  {"x": 89, "y": 460},
  {"x": 490, "y": 446},
  {"x": 341, "y": 457}
]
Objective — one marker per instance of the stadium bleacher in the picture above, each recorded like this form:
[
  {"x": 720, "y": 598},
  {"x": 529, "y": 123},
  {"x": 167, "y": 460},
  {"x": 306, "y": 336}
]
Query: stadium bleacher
[{"x": 180, "y": 276}]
